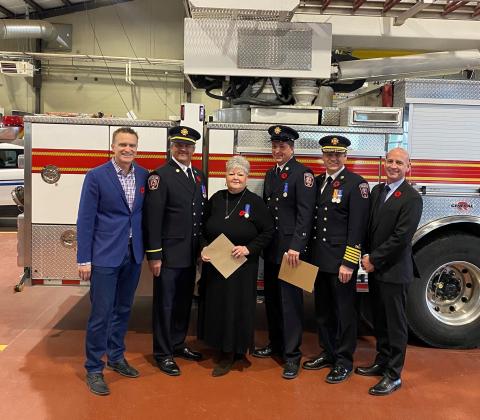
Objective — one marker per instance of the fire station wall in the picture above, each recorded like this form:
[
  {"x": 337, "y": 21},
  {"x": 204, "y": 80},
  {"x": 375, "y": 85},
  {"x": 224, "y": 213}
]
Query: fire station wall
[{"x": 150, "y": 29}]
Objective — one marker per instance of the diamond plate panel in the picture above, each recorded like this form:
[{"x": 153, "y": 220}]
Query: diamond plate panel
[
  {"x": 50, "y": 258},
  {"x": 330, "y": 116},
  {"x": 399, "y": 95},
  {"x": 121, "y": 122},
  {"x": 437, "y": 207},
  {"x": 257, "y": 15},
  {"x": 275, "y": 49},
  {"x": 455, "y": 90},
  {"x": 256, "y": 141}
]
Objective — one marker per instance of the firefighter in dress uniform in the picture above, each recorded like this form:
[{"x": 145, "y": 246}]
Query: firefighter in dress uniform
[
  {"x": 172, "y": 217},
  {"x": 289, "y": 192},
  {"x": 339, "y": 228}
]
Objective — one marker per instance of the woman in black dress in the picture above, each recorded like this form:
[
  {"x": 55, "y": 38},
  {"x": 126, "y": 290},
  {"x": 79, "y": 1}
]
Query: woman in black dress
[{"x": 228, "y": 305}]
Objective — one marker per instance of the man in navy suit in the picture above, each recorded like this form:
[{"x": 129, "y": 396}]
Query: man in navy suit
[
  {"x": 394, "y": 217},
  {"x": 110, "y": 253}
]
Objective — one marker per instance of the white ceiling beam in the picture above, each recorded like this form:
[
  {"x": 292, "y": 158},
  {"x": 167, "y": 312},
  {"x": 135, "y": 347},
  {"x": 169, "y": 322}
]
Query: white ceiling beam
[{"x": 416, "y": 8}]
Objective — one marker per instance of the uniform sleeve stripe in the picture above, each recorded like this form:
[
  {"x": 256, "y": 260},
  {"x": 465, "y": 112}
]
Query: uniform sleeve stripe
[
  {"x": 351, "y": 260},
  {"x": 347, "y": 255},
  {"x": 353, "y": 254},
  {"x": 153, "y": 250},
  {"x": 349, "y": 248}
]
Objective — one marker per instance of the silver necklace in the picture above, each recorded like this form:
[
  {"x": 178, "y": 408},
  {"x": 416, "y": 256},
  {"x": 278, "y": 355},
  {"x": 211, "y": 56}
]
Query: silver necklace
[{"x": 227, "y": 214}]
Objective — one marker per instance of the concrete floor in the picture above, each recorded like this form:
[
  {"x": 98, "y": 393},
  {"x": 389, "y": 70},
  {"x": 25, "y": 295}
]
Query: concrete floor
[{"x": 41, "y": 359}]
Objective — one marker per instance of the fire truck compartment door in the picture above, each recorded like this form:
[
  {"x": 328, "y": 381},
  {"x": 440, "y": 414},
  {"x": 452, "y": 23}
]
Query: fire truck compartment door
[{"x": 73, "y": 150}]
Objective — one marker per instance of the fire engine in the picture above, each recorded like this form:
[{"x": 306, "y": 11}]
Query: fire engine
[
  {"x": 436, "y": 120},
  {"x": 268, "y": 73}
]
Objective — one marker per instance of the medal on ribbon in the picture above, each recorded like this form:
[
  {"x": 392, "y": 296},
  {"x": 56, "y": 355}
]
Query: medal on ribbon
[
  {"x": 337, "y": 195},
  {"x": 285, "y": 189},
  {"x": 204, "y": 191},
  {"x": 247, "y": 211}
]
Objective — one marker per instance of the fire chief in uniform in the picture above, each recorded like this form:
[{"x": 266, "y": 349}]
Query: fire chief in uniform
[
  {"x": 173, "y": 212},
  {"x": 394, "y": 217},
  {"x": 289, "y": 192},
  {"x": 340, "y": 223}
]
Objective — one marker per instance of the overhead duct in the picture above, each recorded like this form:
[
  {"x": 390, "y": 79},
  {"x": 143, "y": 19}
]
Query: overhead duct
[
  {"x": 388, "y": 68},
  {"x": 19, "y": 29}
]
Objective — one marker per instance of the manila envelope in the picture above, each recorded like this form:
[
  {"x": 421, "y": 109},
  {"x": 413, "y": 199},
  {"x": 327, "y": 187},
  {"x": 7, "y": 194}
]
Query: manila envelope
[
  {"x": 302, "y": 276},
  {"x": 220, "y": 252}
]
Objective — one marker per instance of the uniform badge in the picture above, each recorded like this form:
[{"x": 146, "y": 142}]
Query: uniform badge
[
  {"x": 184, "y": 132},
  {"x": 277, "y": 130},
  {"x": 153, "y": 182},
  {"x": 364, "y": 189},
  {"x": 308, "y": 179}
]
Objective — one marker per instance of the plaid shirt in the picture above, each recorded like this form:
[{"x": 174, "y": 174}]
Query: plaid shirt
[{"x": 127, "y": 181}]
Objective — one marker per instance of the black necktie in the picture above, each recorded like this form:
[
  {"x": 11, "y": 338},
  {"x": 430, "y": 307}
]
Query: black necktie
[
  {"x": 383, "y": 195},
  {"x": 327, "y": 183},
  {"x": 277, "y": 171},
  {"x": 190, "y": 175}
]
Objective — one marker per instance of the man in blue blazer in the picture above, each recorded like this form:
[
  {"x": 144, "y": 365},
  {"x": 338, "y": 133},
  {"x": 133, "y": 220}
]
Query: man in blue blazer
[{"x": 110, "y": 253}]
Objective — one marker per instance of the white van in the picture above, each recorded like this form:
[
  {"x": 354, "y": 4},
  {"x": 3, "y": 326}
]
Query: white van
[{"x": 10, "y": 177}]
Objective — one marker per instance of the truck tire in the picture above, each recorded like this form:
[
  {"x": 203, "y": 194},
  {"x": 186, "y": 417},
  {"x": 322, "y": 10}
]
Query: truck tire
[{"x": 443, "y": 305}]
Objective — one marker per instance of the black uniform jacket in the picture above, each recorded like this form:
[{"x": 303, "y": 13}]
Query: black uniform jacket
[
  {"x": 172, "y": 215},
  {"x": 340, "y": 222},
  {"x": 290, "y": 197},
  {"x": 390, "y": 232}
]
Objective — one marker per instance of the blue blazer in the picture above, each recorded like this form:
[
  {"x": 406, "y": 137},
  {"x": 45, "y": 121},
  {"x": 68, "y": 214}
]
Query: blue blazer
[{"x": 104, "y": 218}]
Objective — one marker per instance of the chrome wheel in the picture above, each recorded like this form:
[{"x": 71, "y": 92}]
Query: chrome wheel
[{"x": 453, "y": 293}]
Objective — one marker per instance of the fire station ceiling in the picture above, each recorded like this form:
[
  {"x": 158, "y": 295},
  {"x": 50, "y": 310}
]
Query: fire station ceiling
[
  {"x": 41, "y": 9},
  {"x": 401, "y": 10}
]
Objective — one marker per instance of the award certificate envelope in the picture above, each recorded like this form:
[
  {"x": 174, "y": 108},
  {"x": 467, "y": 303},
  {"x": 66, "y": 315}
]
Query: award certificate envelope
[
  {"x": 303, "y": 275},
  {"x": 220, "y": 252}
]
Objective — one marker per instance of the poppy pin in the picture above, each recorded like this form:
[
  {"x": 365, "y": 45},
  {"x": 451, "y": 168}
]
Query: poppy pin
[
  {"x": 198, "y": 179},
  {"x": 142, "y": 190},
  {"x": 284, "y": 175},
  {"x": 397, "y": 194},
  {"x": 336, "y": 184},
  {"x": 242, "y": 213}
]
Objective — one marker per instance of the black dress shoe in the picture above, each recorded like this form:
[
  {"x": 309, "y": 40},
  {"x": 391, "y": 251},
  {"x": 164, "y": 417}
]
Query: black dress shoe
[
  {"x": 373, "y": 370},
  {"x": 189, "y": 354},
  {"x": 264, "y": 352},
  {"x": 123, "y": 368},
  {"x": 97, "y": 384},
  {"x": 169, "y": 367},
  {"x": 290, "y": 369},
  {"x": 320, "y": 362},
  {"x": 386, "y": 386},
  {"x": 338, "y": 374}
]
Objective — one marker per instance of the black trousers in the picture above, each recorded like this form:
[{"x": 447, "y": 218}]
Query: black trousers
[
  {"x": 390, "y": 323},
  {"x": 336, "y": 317},
  {"x": 284, "y": 306},
  {"x": 172, "y": 303}
]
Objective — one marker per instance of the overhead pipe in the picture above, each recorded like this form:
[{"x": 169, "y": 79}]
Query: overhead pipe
[{"x": 40, "y": 29}]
